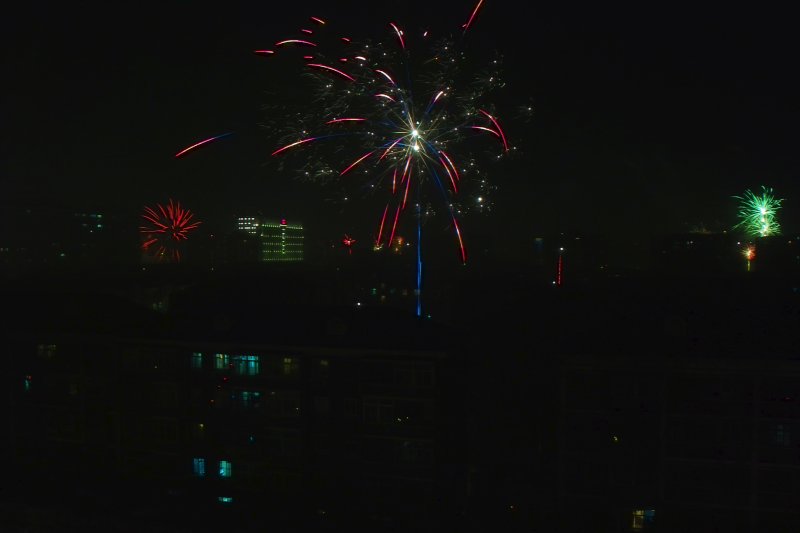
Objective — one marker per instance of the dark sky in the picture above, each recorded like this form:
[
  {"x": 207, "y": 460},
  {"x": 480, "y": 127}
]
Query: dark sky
[{"x": 648, "y": 116}]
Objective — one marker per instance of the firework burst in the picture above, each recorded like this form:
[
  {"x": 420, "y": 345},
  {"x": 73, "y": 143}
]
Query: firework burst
[
  {"x": 757, "y": 213},
  {"x": 164, "y": 229},
  {"x": 400, "y": 115}
]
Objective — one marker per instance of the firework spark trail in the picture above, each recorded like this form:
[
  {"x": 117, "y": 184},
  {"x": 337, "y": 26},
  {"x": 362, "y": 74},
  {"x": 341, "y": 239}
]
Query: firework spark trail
[
  {"x": 472, "y": 16},
  {"x": 449, "y": 174},
  {"x": 499, "y": 129},
  {"x": 483, "y": 128},
  {"x": 356, "y": 162},
  {"x": 399, "y": 33},
  {"x": 460, "y": 240},
  {"x": 433, "y": 101},
  {"x": 408, "y": 185},
  {"x": 452, "y": 217},
  {"x": 337, "y": 120},
  {"x": 394, "y": 225},
  {"x": 279, "y": 150},
  {"x": 380, "y": 230},
  {"x": 201, "y": 143},
  {"x": 332, "y": 69},
  {"x": 385, "y": 75},
  {"x": 390, "y": 147},
  {"x": 450, "y": 161},
  {"x": 295, "y": 41}
]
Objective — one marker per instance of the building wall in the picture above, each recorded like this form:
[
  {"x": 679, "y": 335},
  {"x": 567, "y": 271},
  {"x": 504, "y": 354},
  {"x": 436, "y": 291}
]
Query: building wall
[
  {"x": 278, "y": 240},
  {"x": 703, "y": 445},
  {"x": 300, "y": 431}
]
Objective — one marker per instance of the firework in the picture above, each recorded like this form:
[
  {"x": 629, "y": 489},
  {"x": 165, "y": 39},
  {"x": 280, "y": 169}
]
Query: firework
[
  {"x": 757, "y": 213},
  {"x": 201, "y": 143},
  {"x": 396, "y": 116},
  {"x": 348, "y": 242},
  {"x": 164, "y": 229}
]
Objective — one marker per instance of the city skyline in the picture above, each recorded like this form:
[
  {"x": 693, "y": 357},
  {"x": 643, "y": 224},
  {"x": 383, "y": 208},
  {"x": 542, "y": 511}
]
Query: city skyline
[{"x": 641, "y": 123}]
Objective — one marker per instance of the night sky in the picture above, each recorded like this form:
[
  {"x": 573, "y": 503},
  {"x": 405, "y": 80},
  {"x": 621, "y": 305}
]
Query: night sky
[{"x": 648, "y": 117}]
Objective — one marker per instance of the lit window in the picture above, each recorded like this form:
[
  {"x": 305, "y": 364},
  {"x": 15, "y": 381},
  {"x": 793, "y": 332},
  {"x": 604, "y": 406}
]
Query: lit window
[
  {"x": 225, "y": 499},
  {"x": 197, "y": 360},
  {"x": 247, "y": 365},
  {"x": 225, "y": 469},
  {"x": 322, "y": 367},
  {"x": 290, "y": 366},
  {"x": 46, "y": 351},
  {"x": 248, "y": 399},
  {"x": 28, "y": 383},
  {"x": 642, "y": 518},
  {"x": 221, "y": 361},
  {"x": 199, "y": 467}
]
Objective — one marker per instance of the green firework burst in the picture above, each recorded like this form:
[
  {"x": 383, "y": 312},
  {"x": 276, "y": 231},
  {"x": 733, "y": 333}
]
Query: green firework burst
[{"x": 757, "y": 213}]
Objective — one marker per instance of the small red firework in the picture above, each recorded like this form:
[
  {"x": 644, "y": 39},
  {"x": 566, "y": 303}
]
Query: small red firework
[
  {"x": 348, "y": 241},
  {"x": 165, "y": 228}
]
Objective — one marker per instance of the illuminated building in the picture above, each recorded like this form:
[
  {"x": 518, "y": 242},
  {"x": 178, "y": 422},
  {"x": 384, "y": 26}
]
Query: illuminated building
[
  {"x": 279, "y": 241},
  {"x": 248, "y": 224},
  {"x": 285, "y": 429}
]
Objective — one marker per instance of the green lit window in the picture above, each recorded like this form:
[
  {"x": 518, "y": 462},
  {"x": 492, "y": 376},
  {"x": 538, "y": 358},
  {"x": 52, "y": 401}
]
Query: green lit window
[
  {"x": 225, "y": 499},
  {"x": 221, "y": 361},
  {"x": 197, "y": 360},
  {"x": 199, "y": 467},
  {"x": 247, "y": 365},
  {"x": 225, "y": 469}
]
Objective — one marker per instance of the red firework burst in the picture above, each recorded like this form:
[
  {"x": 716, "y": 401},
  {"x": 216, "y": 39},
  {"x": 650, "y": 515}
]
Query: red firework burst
[
  {"x": 165, "y": 228},
  {"x": 348, "y": 241}
]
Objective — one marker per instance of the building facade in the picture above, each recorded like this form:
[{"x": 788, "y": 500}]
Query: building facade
[
  {"x": 292, "y": 434},
  {"x": 278, "y": 240}
]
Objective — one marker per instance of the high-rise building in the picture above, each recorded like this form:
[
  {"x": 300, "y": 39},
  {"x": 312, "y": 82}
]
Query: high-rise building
[
  {"x": 281, "y": 241},
  {"x": 248, "y": 224},
  {"x": 278, "y": 240}
]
